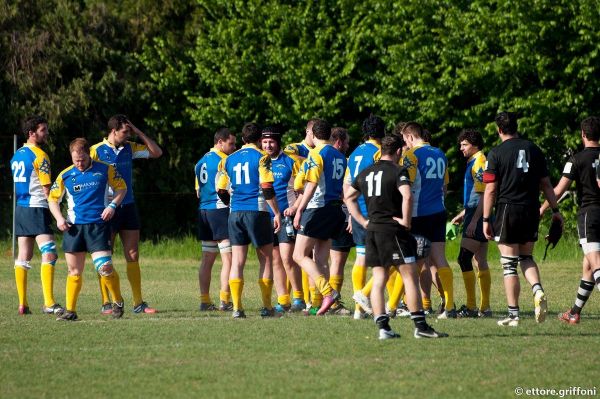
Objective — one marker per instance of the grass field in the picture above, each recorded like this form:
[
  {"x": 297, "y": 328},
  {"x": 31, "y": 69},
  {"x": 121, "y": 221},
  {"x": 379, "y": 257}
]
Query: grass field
[{"x": 181, "y": 352}]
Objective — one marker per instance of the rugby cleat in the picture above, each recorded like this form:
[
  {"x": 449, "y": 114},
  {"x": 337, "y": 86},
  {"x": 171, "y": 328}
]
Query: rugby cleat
[
  {"x": 298, "y": 305},
  {"x": 485, "y": 313},
  {"x": 428, "y": 332},
  {"x": 106, "y": 308},
  {"x": 448, "y": 314},
  {"x": 238, "y": 314},
  {"x": 67, "y": 316},
  {"x": 118, "y": 308},
  {"x": 226, "y": 306},
  {"x": 311, "y": 311},
  {"x": 464, "y": 312},
  {"x": 510, "y": 321},
  {"x": 207, "y": 307},
  {"x": 338, "y": 309},
  {"x": 265, "y": 313},
  {"x": 387, "y": 334},
  {"x": 282, "y": 308},
  {"x": 360, "y": 315},
  {"x": 328, "y": 301},
  {"x": 363, "y": 301},
  {"x": 569, "y": 317},
  {"x": 144, "y": 308},
  {"x": 541, "y": 306},
  {"x": 55, "y": 309},
  {"x": 23, "y": 310}
]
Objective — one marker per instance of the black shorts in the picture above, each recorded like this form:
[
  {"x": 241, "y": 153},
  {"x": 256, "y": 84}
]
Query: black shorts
[
  {"x": 390, "y": 248},
  {"x": 588, "y": 228},
  {"x": 212, "y": 224},
  {"x": 247, "y": 227},
  {"x": 343, "y": 243},
  {"x": 359, "y": 234},
  {"x": 32, "y": 222},
  {"x": 282, "y": 237},
  {"x": 478, "y": 236},
  {"x": 126, "y": 217},
  {"x": 432, "y": 227},
  {"x": 90, "y": 238},
  {"x": 323, "y": 223},
  {"x": 516, "y": 224}
]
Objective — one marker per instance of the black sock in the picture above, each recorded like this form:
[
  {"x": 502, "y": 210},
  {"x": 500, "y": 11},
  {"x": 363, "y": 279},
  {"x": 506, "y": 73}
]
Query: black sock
[
  {"x": 383, "y": 322},
  {"x": 419, "y": 319}
]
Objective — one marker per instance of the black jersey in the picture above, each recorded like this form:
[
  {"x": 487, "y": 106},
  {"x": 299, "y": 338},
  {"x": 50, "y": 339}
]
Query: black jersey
[
  {"x": 517, "y": 165},
  {"x": 379, "y": 186},
  {"x": 581, "y": 168}
]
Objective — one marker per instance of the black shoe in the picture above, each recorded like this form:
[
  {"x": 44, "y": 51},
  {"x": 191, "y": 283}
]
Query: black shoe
[
  {"x": 118, "y": 308},
  {"x": 67, "y": 316},
  {"x": 429, "y": 332}
]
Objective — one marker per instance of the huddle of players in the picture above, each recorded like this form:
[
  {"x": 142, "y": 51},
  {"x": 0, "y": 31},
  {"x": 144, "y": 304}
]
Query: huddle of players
[{"x": 98, "y": 189}]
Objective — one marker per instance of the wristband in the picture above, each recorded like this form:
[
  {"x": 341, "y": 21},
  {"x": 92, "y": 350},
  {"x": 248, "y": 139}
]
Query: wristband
[
  {"x": 485, "y": 219},
  {"x": 555, "y": 210},
  {"x": 112, "y": 205}
]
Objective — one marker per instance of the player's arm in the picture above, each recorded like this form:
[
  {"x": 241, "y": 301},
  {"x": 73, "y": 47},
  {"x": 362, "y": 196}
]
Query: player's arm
[
  {"x": 407, "y": 201},
  {"x": 266, "y": 179},
  {"x": 563, "y": 185},
  {"x": 154, "y": 150},
  {"x": 54, "y": 198},
  {"x": 351, "y": 201},
  {"x": 458, "y": 218},
  {"x": 309, "y": 190},
  {"x": 116, "y": 182},
  {"x": 551, "y": 198},
  {"x": 271, "y": 199},
  {"x": 41, "y": 165}
]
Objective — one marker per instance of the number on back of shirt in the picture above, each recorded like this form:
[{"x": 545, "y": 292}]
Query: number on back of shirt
[
  {"x": 338, "y": 168},
  {"x": 374, "y": 183},
  {"x": 240, "y": 168},
  {"x": 203, "y": 174},
  {"x": 18, "y": 168},
  {"x": 522, "y": 161},
  {"x": 358, "y": 160},
  {"x": 435, "y": 168}
]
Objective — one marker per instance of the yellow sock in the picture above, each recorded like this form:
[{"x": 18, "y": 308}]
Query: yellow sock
[
  {"x": 298, "y": 294},
  {"x": 113, "y": 284},
  {"x": 21, "y": 280},
  {"x": 396, "y": 292},
  {"x": 236, "y": 286},
  {"x": 317, "y": 299},
  {"x": 284, "y": 300},
  {"x": 74, "y": 284},
  {"x": 47, "y": 275},
  {"x": 205, "y": 298},
  {"x": 266, "y": 289},
  {"x": 469, "y": 279},
  {"x": 306, "y": 287},
  {"x": 225, "y": 296},
  {"x": 389, "y": 285},
  {"x": 336, "y": 282},
  {"x": 368, "y": 287},
  {"x": 134, "y": 275},
  {"x": 104, "y": 289},
  {"x": 323, "y": 286},
  {"x": 485, "y": 282},
  {"x": 426, "y": 303},
  {"x": 359, "y": 275},
  {"x": 446, "y": 278}
]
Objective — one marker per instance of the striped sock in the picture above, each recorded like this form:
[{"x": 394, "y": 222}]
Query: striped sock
[
  {"x": 583, "y": 293},
  {"x": 536, "y": 287},
  {"x": 513, "y": 311},
  {"x": 419, "y": 319},
  {"x": 596, "y": 275}
]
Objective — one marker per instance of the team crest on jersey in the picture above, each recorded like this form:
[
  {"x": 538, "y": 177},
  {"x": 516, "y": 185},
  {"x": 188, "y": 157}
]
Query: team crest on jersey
[
  {"x": 309, "y": 164},
  {"x": 54, "y": 186},
  {"x": 479, "y": 175},
  {"x": 406, "y": 162},
  {"x": 45, "y": 167}
]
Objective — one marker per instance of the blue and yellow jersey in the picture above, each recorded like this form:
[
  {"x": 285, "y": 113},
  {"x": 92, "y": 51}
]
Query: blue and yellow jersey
[
  {"x": 31, "y": 170},
  {"x": 298, "y": 149},
  {"x": 428, "y": 172},
  {"x": 474, "y": 185},
  {"x": 325, "y": 166},
  {"x": 285, "y": 169},
  {"x": 244, "y": 171},
  {"x": 361, "y": 158},
  {"x": 121, "y": 158},
  {"x": 207, "y": 175},
  {"x": 87, "y": 192}
]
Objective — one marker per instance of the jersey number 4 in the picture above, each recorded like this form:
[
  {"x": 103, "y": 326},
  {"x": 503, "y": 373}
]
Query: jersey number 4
[
  {"x": 18, "y": 168},
  {"x": 522, "y": 161},
  {"x": 374, "y": 183}
]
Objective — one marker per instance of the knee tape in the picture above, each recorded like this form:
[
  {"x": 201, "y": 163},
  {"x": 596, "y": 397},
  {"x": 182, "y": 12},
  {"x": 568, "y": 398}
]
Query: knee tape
[
  {"x": 49, "y": 248},
  {"x": 509, "y": 264},
  {"x": 360, "y": 250},
  {"x": 103, "y": 265},
  {"x": 23, "y": 264},
  {"x": 209, "y": 246},
  {"x": 465, "y": 260},
  {"x": 225, "y": 247}
]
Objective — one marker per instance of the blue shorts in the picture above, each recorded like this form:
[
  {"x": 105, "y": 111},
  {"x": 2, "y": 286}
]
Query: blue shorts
[
  {"x": 212, "y": 224},
  {"x": 343, "y": 243},
  {"x": 247, "y": 227},
  {"x": 32, "y": 222},
  {"x": 478, "y": 236},
  {"x": 432, "y": 227},
  {"x": 359, "y": 234},
  {"x": 90, "y": 238},
  {"x": 323, "y": 223},
  {"x": 126, "y": 217}
]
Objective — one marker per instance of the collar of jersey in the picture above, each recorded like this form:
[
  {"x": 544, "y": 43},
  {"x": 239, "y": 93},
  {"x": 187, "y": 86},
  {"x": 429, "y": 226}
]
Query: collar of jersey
[
  {"x": 374, "y": 142},
  {"x": 105, "y": 141},
  {"x": 218, "y": 152},
  {"x": 30, "y": 145},
  {"x": 474, "y": 156},
  {"x": 423, "y": 144},
  {"x": 319, "y": 146},
  {"x": 252, "y": 145}
]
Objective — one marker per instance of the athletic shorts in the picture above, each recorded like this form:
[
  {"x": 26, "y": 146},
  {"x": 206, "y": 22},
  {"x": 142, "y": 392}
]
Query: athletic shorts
[
  {"x": 516, "y": 224},
  {"x": 588, "y": 228},
  {"x": 343, "y": 243},
  {"x": 32, "y": 222},
  {"x": 126, "y": 217},
  {"x": 90, "y": 238},
  {"x": 359, "y": 234},
  {"x": 247, "y": 227},
  {"x": 390, "y": 249},
  {"x": 432, "y": 227},
  {"x": 282, "y": 237},
  {"x": 323, "y": 223},
  {"x": 479, "y": 236},
  {"x": 212, "y": 224}
]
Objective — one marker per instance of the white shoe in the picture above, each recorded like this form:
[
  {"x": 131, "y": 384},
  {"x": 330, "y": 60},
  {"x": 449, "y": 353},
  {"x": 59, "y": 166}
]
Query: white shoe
[
  {"x": 360, "y": 315},
  {"x": 541, "y": 306},
  {"x": 509, "y": 321},
  {"x": 402, "y": 312},
  {"x": 363, "y": 301},
  {"x": 383, "y": 334}
]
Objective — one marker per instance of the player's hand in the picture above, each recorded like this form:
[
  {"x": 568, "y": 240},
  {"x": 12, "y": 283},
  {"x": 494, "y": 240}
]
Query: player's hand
[
  {"x": 134, "y": 131},
  {"x": 402, "y": 222},
  {"x": 487, "y": 231},
  {"x": 277, "y": 223},
  {"x": 457, "y": 219},
  {"x": 297, "y": 218},
  {"x": 558, "y": 216},
  {"x": 108, "y": 213},
  {"x": 349, "y": 227},
  {"x": 289, "y": 211},
  {"x": 63, "y": 225}
]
